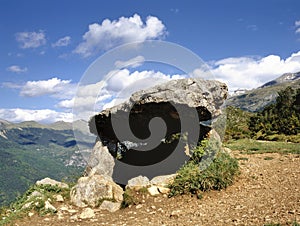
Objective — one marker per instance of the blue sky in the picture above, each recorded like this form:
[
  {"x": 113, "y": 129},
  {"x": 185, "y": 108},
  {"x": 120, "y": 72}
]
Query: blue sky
[{"x": 46, "y": 46}]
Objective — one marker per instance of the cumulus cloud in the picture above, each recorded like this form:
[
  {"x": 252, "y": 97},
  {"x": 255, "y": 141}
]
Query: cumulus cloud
[
  {"x": 120, "y": 84},
  {"x": 133, "y": 63},
  {"x": 251, "y": 72},
  {"x": 44, "y": 115},
  {"x": 31, "y": 39},
  {"x": 16, "y": 69},
  {"x": 109, "y": 33},
  {"x": 53, "y": 86},
  {"x": 65, "y": 41}
]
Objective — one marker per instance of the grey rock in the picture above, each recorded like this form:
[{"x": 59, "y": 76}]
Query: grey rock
[
  {"x": 27, "y": 205},
  {"x": 163, "y": 190},
  {"x": 49, "y": 206},
  {"x": 137, "y": 183},
  {"x": 101, "y": 161},
  {"x": 153, "y": 190},
  {"x": 35, "y": 194},
  {"x": 193, "y": 92},
  {"x": 59, "y": 198},
  {"x": 163, "y": 181},
  {"x": 90, "y": 190},
  {"x": 48, "y": 181},
  {"x": 110, "y": 206},
  {"x": 87, "y": 213}
]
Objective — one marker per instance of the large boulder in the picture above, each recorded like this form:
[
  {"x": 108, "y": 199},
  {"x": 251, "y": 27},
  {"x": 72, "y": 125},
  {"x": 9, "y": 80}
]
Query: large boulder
[
  {"x": 92, "y": 190},
  {"x": 101, "y": 162},
  {"x": 185, "y": 106}
]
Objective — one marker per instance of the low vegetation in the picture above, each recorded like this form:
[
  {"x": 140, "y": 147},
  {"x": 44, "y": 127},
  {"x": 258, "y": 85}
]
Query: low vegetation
[
  {"x": 251, "y": 146},
  {"x": 33, "y": 200},
  {"x": 216, "y": 176}
]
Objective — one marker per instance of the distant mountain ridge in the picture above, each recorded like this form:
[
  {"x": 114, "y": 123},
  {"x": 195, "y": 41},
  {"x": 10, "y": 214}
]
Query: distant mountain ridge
[
  {"x": 256, "y": 99},
  {"x": 288, "y": 77}
]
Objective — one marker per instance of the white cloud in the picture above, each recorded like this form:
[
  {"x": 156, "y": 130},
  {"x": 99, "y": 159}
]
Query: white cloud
[
  {"x": 123, "y": 79},
  {"x": 297, "y": 25},
  {"x": 112, "y": 33},
  {"x": 31, "y": 39},
  {"x": 16, "y": 69},
  {"x": 53, "y": 86},
  {"x": 43, "y": 115},
  {"x": 120, "y": 84},
  {"x": 133, "y": 63},
  {"x": 252, "y": 27},
  {"x": 251, "y": 72},
  {"x": 65, "y": 41}
]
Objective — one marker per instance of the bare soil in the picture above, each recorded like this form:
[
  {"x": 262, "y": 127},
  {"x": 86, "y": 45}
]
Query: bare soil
[{"x": 267, "y": 191}]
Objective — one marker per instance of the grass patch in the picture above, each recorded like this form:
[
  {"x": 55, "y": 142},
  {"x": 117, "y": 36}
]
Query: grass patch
[
  {"x": 250, "y": 146},
  {"x": 32, "y": 200},
  {"x": 129, "y": 199}
]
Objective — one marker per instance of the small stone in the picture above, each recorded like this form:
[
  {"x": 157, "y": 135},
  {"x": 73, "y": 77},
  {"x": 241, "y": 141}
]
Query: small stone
[
  {"x": 46, "y": 219},
  {"x": 72, "y": 211},
  {"x": 163, "y": 190},
  {"x": 87, "y": 214},
  {"x": 137, "y": 183},
  {"x": 153, "y": 207},
  {"x": 59, "y": 198},
  {"x": 110, "y": 206},
  {"x": 60, "y": 216},
  {"x": 35, "y": 194},
  {"x": 30, "y": 214},
  {"x": 27, "y": 205},
  {"x": 74, "y": 218},
  {"x": 49, "y": 206},
  {"x": 48, "y": 181},
  {"x": 175, "y": 213},
  {"x": 163, "y": 180},
  {"x": 64, "y": 208},
  {"x": 139, "y": 206},
  {"x": 161, "y": 210},
  {"x": 153, "y": 190}
]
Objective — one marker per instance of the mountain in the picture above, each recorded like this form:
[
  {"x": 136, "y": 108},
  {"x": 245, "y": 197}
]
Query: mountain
[
  {"x": 288, "y": 77},
  {"x": 30, "y": 151},
  {"x": 256, "y": 99}
]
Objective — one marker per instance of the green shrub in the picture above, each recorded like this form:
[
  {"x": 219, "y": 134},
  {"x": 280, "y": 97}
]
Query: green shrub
[
  {"x": 128, "y": 198},
  {"x": 218, "y": 175}
]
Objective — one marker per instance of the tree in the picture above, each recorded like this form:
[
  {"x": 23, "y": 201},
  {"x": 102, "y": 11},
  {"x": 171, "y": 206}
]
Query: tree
[{"x": 281, "y": 117}]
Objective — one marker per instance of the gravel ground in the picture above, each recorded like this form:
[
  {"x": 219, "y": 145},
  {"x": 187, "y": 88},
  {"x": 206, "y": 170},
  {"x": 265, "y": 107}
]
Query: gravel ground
[{"x": 267, "y": 191}]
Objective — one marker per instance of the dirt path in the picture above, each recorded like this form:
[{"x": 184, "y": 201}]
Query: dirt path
[{"x": 267, "y": 191}]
